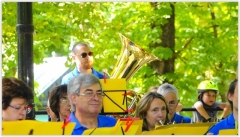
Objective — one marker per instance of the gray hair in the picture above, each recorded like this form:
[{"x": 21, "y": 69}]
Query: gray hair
[
  {"x": 79, "y": 81},
  {"x": 167, "y": 88}
]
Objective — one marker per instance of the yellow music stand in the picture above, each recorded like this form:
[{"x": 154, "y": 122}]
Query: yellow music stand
[
  {"x": 118, "y": 129},
  {"x": 180, "y": 129},
  {"x": 192, "y": 129},
  {"x": 115, "y": 99},
  {"x": 228, "y": 132},
  {"x": 160, "y": 131},
  {"x": 32, "y": 127}
]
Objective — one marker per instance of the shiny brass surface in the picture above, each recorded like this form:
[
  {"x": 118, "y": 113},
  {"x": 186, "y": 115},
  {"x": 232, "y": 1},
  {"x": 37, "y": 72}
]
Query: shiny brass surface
[{"x": 131, "y": 59}]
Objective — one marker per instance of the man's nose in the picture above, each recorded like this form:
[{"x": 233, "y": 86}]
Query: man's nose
[
  {"x": 95, "y": 97},
  {"x": 87, "y": 57}
]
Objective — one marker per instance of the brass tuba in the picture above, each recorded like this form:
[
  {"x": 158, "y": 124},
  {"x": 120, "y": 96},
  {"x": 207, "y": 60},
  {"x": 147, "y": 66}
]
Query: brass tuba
[{"x": 131, "y": 59}]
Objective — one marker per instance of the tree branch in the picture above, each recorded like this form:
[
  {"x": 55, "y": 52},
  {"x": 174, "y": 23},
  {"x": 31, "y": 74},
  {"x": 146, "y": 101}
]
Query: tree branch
[{"x": 184, "y": 47}]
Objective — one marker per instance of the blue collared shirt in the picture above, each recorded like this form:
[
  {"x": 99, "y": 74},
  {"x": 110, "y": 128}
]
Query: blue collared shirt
[
  {"x": 181, "y": 119},
  {"x": 70, "y": 75},
  {"x": 103, "y": 121},
  {"x": 227, "y": 123}
]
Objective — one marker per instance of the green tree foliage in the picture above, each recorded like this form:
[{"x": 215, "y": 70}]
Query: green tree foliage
[{"x": 205, "y": 39}]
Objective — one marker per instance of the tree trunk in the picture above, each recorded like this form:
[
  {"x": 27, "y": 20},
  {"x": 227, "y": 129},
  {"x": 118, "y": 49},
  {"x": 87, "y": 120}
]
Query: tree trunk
[{"x": 167, "y": 40}]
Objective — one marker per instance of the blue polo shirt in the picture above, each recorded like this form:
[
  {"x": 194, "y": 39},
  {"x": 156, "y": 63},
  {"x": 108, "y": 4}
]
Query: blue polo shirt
[
  {"x": 103, "y": 121},
  {"x": 180, "y": 119},
  {"x": 70, "y": 75},
  {"x": 227, "y": 123}
]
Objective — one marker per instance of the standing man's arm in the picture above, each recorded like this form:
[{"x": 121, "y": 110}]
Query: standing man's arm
[{"x": 63, "y": 80}]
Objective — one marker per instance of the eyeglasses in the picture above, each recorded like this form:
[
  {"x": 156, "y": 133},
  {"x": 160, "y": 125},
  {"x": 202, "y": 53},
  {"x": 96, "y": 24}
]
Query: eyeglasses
[
  {"x": 91, "y": 94},
  {"x": 20, "y": 109},
  {"x": 64, "y": 100},
  {"x": 84, "y": 54}
]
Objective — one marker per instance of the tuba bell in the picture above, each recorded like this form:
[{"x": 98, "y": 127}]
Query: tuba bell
[{"x": 131, "y": 59}]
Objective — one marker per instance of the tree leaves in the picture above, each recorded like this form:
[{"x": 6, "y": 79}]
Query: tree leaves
[{"x": 197, "y": 49}]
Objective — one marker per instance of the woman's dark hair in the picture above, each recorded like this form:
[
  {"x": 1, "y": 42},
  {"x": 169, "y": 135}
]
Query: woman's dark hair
[
  {"x": 54, "y": 98},
  {"x": 14, "y": 88},
  {"x": 231, "y": 90}
]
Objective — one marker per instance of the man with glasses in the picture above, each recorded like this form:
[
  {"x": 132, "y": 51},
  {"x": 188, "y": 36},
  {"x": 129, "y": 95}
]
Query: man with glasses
[
  {"x": 83, "y": 57},
  {"x": 86, "y": 96},
  {"x": 170, "y": 93},
  {"x": 15, "y": 97}
]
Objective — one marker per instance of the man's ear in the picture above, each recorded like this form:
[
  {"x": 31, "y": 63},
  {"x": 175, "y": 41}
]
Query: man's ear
[
  {"x": 72, "y": 97},
  {"x": 73, "y": 57},
  {"x": 178, "y": 101}
]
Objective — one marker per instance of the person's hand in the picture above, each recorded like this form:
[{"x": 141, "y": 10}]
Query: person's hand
[
  {"x": 179, "y": 107},
  {"x": 207, "y": 120}
]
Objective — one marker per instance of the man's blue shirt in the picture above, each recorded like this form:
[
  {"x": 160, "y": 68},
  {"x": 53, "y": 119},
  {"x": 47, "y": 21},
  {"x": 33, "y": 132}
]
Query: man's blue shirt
[
  {"x": 227, "y": 123},
  {"x": 180, "y": 119},
  {"x": 70, "y": 75},
  {"x": 103, "y": 121}
]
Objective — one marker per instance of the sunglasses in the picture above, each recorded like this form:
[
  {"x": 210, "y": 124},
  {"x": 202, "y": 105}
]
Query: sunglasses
[{"x": 84, "y": 54}]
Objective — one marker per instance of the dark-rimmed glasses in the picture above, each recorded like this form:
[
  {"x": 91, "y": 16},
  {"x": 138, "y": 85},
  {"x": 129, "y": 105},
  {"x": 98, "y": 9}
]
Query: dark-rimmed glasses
[
  {"x": 84, "y": 54},
  {"x": 20, "y": 109}
]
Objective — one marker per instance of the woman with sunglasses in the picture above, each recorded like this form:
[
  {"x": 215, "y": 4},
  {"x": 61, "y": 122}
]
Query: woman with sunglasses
[
  {"x": 15, "y": 97},
  {"x": 83, "y": 57},
  {"x": 59, "y": 102}
]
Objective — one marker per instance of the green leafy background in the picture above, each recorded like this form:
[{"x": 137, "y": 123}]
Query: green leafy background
[{"x": 205, "y": 39}]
